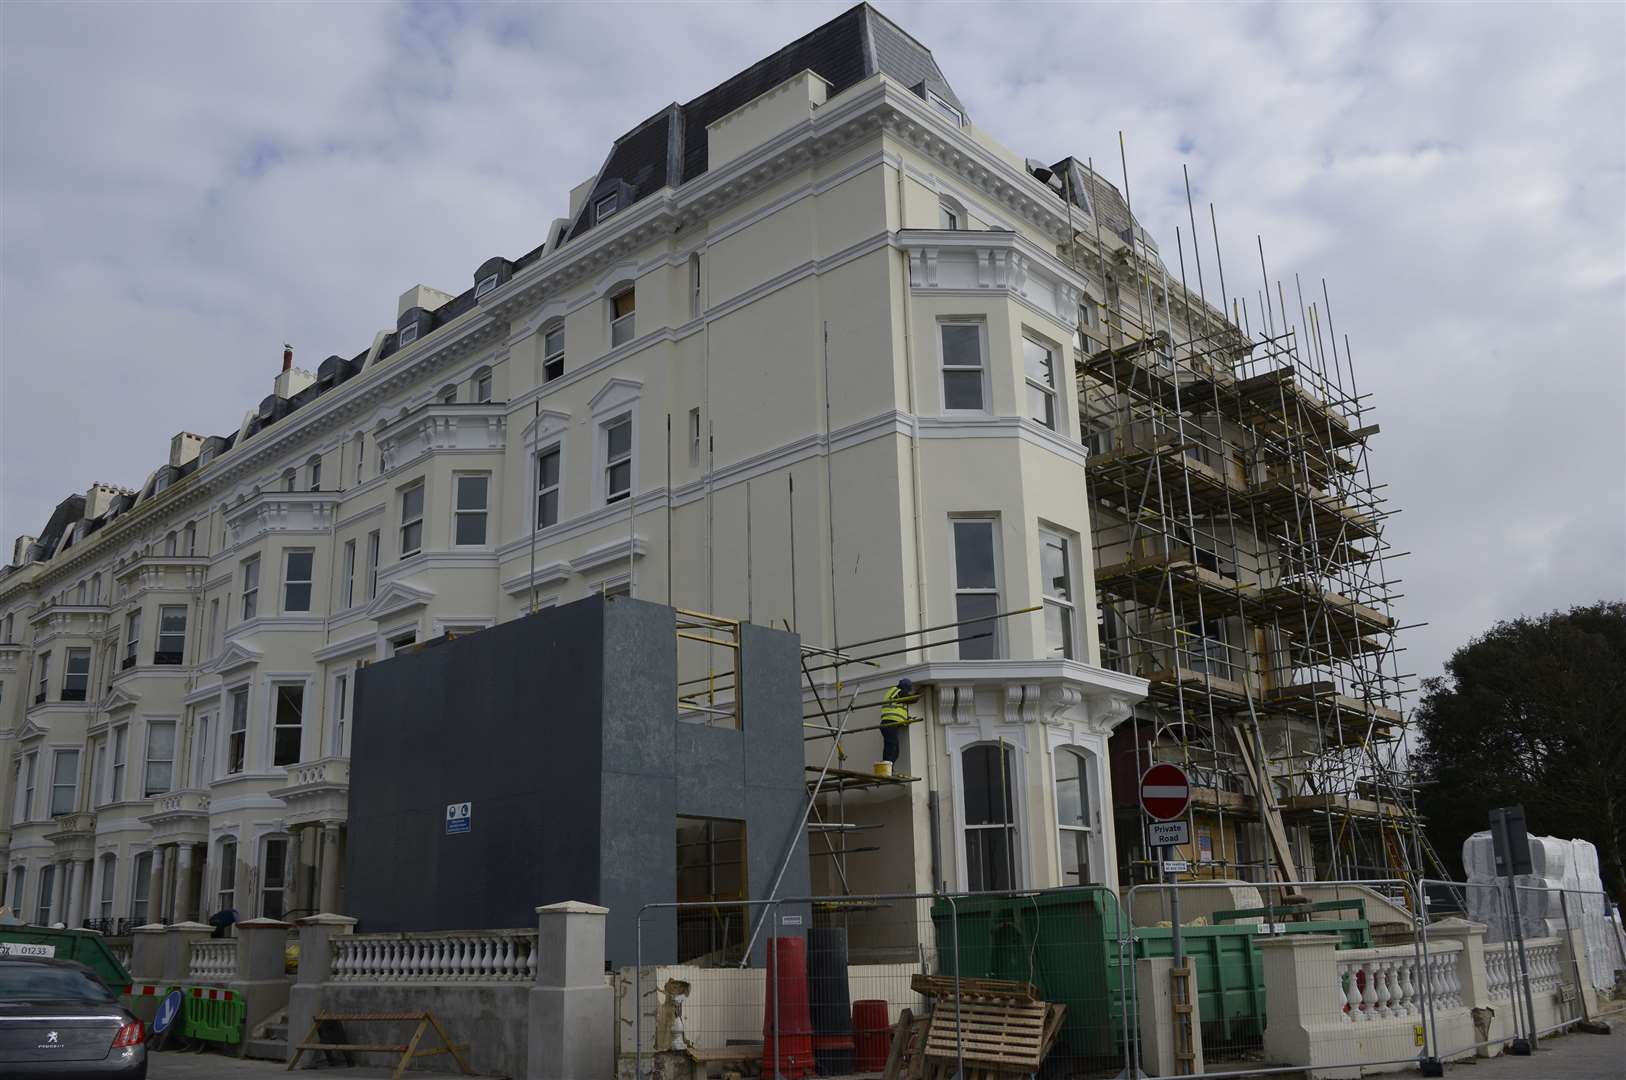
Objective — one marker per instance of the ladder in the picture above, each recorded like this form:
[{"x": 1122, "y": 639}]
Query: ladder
[{"x": 1269, "y": 812}]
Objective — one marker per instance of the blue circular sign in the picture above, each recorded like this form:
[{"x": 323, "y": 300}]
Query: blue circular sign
[{"x": 168, "y": 1010}]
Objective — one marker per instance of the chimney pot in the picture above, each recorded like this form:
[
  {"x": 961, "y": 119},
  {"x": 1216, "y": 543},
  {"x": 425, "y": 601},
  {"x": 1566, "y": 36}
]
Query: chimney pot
[{"x": 287, "y": 356}]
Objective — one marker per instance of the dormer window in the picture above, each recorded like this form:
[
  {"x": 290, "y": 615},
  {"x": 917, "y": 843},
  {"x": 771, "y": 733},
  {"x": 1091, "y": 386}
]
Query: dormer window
[
  {"x": 409, "y": 334},
  {"x": 485, "y": 285},
  {"x": 606, "y": 206},
  {"x": 946, "y": 107}
]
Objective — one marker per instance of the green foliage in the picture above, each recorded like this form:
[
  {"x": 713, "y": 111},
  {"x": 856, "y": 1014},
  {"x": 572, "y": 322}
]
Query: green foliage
[{"x": 1532, "y": 712}]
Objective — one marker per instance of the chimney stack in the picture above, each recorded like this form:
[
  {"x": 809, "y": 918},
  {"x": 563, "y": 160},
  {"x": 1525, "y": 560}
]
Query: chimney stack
[{"x": 287, "y": 356}]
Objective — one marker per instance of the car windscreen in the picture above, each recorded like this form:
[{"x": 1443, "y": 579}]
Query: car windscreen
[{"x": 43, "y": 982}]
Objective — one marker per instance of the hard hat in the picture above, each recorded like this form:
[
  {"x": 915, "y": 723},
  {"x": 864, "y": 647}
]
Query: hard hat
[{"x": 905, "y": 685}]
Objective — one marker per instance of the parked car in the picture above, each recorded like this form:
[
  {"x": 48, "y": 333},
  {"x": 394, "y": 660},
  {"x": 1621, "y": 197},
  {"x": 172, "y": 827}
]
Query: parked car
[{"x": 59, "y": 1020}]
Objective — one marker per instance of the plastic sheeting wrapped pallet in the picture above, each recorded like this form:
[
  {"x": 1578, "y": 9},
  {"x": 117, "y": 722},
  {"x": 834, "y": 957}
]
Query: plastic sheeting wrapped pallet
[{"x": 1561, "y": 866}]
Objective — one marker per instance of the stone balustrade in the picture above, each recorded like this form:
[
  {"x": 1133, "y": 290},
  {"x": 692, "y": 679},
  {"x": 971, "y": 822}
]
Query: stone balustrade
[
  {"x": 213, "y": 960},
  {"x": 1389, "y": 983},
  {"x": 449, "y": 957},
  {"x": 1545, "y": 959}
]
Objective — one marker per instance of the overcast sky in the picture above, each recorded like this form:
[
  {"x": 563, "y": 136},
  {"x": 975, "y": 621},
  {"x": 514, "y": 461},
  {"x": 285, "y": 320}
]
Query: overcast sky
[{"x": 184, "y": 187}]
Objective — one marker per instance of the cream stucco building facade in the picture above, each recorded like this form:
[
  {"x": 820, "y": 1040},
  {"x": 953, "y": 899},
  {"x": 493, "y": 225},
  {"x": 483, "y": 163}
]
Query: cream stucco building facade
[{"x": 800, "y": 353}]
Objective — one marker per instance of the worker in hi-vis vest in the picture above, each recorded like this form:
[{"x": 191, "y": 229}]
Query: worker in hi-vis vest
[{"x": 894, "y": 718}]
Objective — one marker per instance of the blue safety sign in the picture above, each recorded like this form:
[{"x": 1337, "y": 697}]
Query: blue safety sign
[
  {"x": 168, "y": 1010},
  {"x": 459, "y": 816}
]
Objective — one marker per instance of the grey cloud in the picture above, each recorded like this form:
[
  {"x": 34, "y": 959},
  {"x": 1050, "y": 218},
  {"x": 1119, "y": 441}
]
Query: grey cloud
[{"x": 185, "y": 188}]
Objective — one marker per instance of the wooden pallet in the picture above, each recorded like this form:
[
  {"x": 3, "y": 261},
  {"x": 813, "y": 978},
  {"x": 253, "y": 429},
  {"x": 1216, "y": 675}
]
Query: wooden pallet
[
  {"x": 996, "y": 989},
  {"x": 1005, "y": 1035},
  {"x": 408, "y": 1051},
  {"x": 1001, "y": 1039}
]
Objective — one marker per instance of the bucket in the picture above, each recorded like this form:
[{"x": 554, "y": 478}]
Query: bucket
[
  {"x": 787, "y": 970},
  {"x": 883, "y": 768},
  {"x": 872, "y": 1035}
]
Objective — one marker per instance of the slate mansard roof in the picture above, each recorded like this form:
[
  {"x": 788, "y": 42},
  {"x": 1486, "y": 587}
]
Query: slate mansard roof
[{"x": 669, "y": 149}]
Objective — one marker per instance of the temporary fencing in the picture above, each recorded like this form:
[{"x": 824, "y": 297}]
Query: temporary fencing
[{"x": 1274, "y": 977}]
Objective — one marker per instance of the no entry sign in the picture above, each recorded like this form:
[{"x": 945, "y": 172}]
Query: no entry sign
[{"x": 1164, "y": 792}]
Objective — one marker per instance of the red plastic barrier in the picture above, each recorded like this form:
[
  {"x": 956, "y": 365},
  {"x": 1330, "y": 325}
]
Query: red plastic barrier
[
  {"x": 872, "y": 1034},
  {"x": 787, "y": 969}
]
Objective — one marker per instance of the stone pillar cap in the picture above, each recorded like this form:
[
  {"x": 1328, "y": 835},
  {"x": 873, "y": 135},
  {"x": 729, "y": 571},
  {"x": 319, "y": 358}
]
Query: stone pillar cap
[
  {"x": 152, "y": 928},
  {"x": 573, "y": 907},
  {"x": 192, "y": 926},
  {"x": 327, "y": 920},
  {"x": 264, "y": 923}
]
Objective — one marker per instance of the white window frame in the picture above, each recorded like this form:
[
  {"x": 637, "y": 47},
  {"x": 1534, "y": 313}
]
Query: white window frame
[
  {"x": 1016, "y": 826},
  {"x": 1066, "y": 605},
  {"x": 237, "y": 695},
  {"x": 273, "y": 727},
  {"x": 43, "y": 690},
  {"x": 605, "y": 206},
  {"x": 226, "y": 875},
  {"x": 289, "y": 581},
  {"x": 947, "y": 107},
  {"x": 159, "y": 649},
  {"x": 109, "y": 866},
  {"x": 401, "y": 494},
  {"x": 98, "y": 772},
  {"x": 944, "y": 367},
  {"x": 447, "y": 395},
  {"x": 482, "y": 386},
  {"x": 360, "y": 440},
  {"x": 349, "y": 574},
  {"x": 697, "y": 281},
  {"x": 28, "y": 772},
  {"x": 992, "y": 522},
  {"x": 407, "y": 336},
  {"x": 1089, "y": 795},
  {"x": 556, "y": 489},
  {"x": 550, "y": 356},
  {"x": 343, "y": 681},
  {"x": 623, "y": 328},
  {"x": 118, "y": 757},
  {"x": 140, "y": 887},
  {"x": 250, "y": 578},
  {"x": 148, "y": 761},
  {"x": 485, "y": 285},
  {"x": 68, "y": 674},
  {"x": 191, "y": 535},
  {"x": 375, "y": 541},
  {"x": 202, "y": 736},
  {"x": 72, "y": 786},
  {"x": 132, "y": 639},
  {"x": 46, "y": 895},
  {"x": 951, "y": 215},
  {"x": 610, "y": 463},
  {"x": 459, "y": 512},
  {"x": 313, "y": 472},
  {"x": 1050, "y": 393}
]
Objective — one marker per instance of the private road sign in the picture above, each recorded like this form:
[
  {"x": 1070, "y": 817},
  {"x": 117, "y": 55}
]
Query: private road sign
[{"x": 1164, "y": 792}]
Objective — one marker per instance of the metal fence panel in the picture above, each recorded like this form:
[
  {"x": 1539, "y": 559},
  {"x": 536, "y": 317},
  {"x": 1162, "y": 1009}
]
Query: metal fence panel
[{"x": 1289, "y": 975}]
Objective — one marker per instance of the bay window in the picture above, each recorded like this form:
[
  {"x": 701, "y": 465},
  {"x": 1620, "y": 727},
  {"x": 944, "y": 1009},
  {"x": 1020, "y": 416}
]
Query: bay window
[{"x": 990, "y": 818}]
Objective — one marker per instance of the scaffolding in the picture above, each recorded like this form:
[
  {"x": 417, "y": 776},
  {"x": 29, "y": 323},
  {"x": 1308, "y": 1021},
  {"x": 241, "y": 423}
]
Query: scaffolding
[{"x": 1241, "y": 565}]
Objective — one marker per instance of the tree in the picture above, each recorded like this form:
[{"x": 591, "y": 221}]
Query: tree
[{"x": 1532, "y": 712}]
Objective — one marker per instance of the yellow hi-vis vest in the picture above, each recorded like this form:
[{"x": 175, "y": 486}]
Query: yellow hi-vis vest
[{"x": 894, "y": 713}]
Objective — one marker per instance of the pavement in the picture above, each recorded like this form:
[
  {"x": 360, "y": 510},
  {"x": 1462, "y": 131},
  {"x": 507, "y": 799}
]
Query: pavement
[
  {"x": 1575, "y": 1056},
  {"x": 189, "y": 1066}
]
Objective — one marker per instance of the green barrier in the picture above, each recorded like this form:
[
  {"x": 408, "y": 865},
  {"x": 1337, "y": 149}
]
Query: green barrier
[{"x": 217, "y": 1019}]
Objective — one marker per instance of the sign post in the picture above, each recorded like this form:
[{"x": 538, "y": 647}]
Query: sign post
[
  {"x": 1511, "y": 845},
  {"x": 1165, "y": 793}
]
